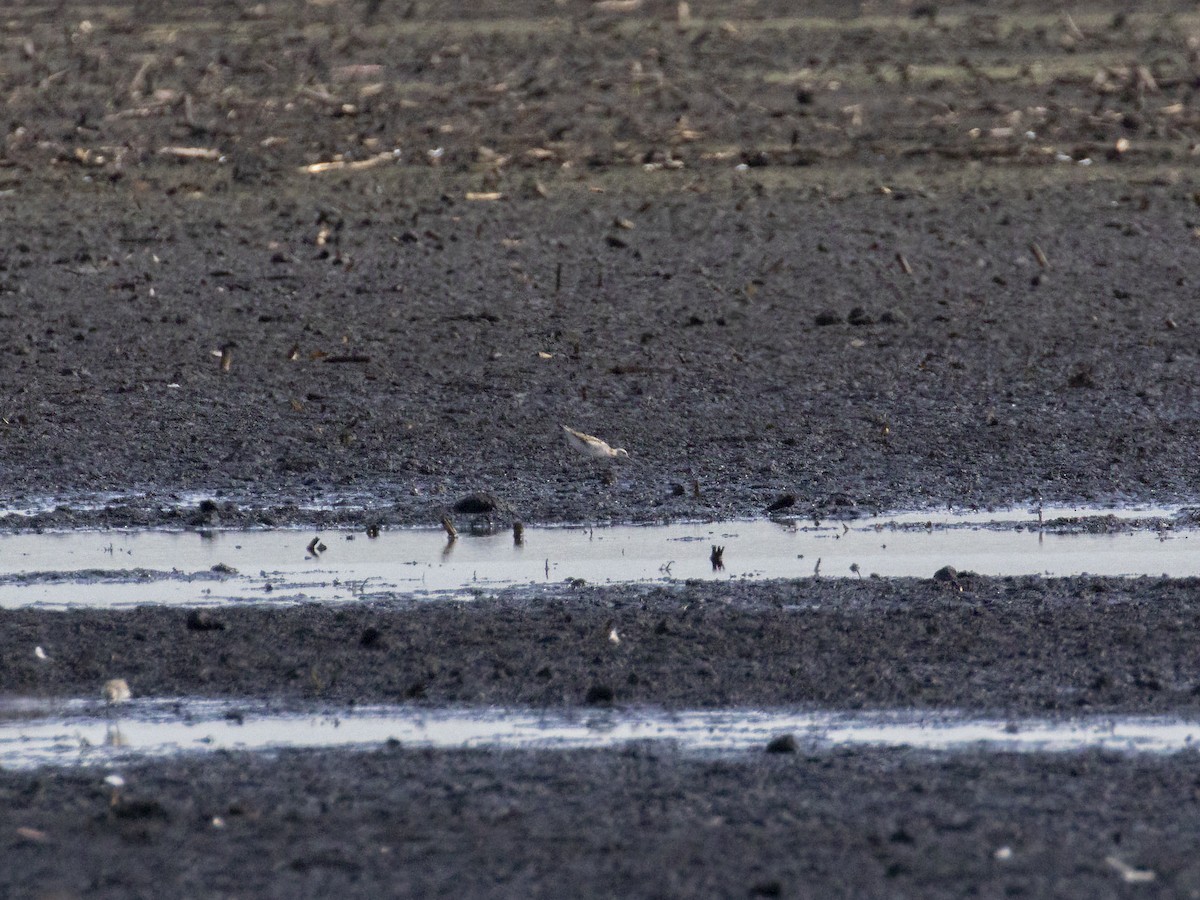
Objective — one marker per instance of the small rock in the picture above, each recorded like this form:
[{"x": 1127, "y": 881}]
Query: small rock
[
  {"x": 828, "y": 317},
  {"x": 372, "y": 639},
  {"x": 894, "y": 317},
  {"x": 783, "y": 501},
  {"x": 139, "y": 809},
  {"x": 784, "y": 743},
  {"x": 222, "y": 569},
  {"x": 947, "y": 574},
  {"x": 1082, "y": 378},
  {"x": 859, "y": 316},
  {"x": 599, "y": 695},
  {"x": 202, "y": 620},
  {"x": 767, "y": 889}
]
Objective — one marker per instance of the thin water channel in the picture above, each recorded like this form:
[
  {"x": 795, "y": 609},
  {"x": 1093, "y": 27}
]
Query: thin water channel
[
  {"x": 120, "y": 568},
  {"x": 78, "y": 733}
]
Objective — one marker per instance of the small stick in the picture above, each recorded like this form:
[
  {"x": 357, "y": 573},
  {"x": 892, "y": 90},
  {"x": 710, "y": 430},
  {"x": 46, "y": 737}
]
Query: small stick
[
  {"x": 518, "y": 534},
  {"x": 904, "y": 266},
  {"x": 1039, "y": 256},
  {"x": 451, "y": 531}
]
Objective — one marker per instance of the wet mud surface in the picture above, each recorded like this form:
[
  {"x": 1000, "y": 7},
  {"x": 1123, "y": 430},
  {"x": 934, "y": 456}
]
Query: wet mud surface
[
  {"x": 639, "y": 822},
  {"x": 401, "y": 343},
  {"x": 1010, "y": 646},
  {"x": 884, "y": 256}
]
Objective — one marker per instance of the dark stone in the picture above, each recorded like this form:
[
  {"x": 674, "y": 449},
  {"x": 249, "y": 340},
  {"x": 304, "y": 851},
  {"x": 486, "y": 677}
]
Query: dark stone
[
  {"x": 770, "y": 888},
  {"x": 202, "y": 620},
  {"x": 828, "y": 317},
  {"x": 599, "y": 695},
  {"x": 784, "y": 743},
  {"x": 783, "y": 501},
  {"x": 859, "y": 316},
  {"x": 372, "y": 638},
  {"x": 139, "y": 809}
]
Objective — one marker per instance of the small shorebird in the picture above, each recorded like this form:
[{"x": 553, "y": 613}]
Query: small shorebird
[{"x": 590, "y": 445}]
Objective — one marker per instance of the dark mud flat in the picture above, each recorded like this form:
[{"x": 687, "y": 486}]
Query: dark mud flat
[
  {"x": 957, "y": 266},
  {"x": 859, "y": 317},
  {"x": 1008, "y": 646},
  {"x": 640, "y": 822}
]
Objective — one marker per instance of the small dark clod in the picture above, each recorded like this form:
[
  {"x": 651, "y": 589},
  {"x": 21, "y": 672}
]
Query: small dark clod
[
  {"x": 599, "y": 695},
  {"x": 784, "y": 743},
  {"x": 1083, "y": 378},
  {"x": 859, "y": 316},
  {"x": 767, "y": 889},
  {"x": 415, "y": 691},
  {"x": 828, "y": 317},
  {"x": 372, "y": 639},
  {"x": 139, "y": 809},
  {"x": 202, "y": 620},
  {"x": 783, "y": 501}
]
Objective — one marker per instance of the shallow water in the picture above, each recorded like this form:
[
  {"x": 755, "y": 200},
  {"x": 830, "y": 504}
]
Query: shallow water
[
  {"x": 81, "y": 733},
  {"x": 116, "y": 568}
]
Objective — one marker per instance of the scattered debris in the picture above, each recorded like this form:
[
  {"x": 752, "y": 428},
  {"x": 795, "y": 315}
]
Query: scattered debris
[
  {"x": 358, "y": 165},
  {"x": 717, "y": 558},
  {"x": 1128, "y": 873},
  {"x": 190, "y": 153}
]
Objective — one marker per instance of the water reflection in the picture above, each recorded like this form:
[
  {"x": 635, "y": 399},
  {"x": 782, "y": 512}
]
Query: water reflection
[
  {"x": 156, "y": 728},
  {"x": 115, "y": 568}
]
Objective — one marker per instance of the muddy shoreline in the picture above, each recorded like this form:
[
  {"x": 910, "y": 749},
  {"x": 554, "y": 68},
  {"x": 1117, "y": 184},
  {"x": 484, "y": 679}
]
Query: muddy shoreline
[
  {"x": 639, "y": 822},
  {"x": 1005, "y": 645}
]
